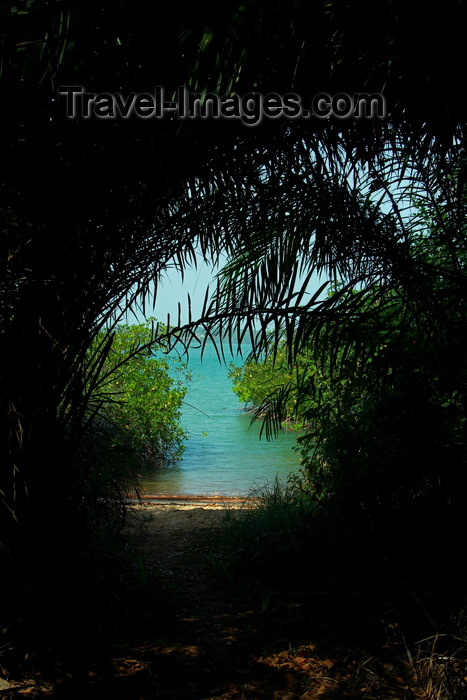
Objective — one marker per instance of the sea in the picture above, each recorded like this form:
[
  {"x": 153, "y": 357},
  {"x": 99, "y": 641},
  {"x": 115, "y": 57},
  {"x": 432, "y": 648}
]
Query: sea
[{"x": 224, "y": 454}]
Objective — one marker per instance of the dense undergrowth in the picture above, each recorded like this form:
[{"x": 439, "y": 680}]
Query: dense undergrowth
[
  {"x": 376, "y": 205},
  {"x": 356, "y": 585}
]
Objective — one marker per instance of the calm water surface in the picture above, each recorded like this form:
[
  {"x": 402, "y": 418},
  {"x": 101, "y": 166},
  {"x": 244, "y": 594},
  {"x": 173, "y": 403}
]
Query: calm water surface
[{"x": 223, "y": 454}]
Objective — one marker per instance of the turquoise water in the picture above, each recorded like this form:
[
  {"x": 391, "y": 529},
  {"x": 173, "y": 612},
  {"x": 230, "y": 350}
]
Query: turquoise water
[{"x": 224, "y": 455}]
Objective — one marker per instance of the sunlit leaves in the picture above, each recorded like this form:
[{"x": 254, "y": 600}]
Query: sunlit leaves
[{"x": 140, "y": 396}]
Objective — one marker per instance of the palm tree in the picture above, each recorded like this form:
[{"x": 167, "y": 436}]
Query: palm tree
[{"x": 120, "y": 202}]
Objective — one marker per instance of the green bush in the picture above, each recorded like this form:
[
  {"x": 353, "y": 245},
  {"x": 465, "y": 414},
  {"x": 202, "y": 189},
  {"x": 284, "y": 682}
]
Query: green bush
[
  {"x": 267, "y": 532},
  {"x": 133, "y": 423},
  {"x": 255, "y": 381},
  {"x": 142, "y": 395},
  {"x": 272, "y": 388}
]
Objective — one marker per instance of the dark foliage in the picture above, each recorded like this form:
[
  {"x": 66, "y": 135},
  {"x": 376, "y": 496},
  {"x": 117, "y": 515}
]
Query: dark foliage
[{"x": 93, "y": 211}]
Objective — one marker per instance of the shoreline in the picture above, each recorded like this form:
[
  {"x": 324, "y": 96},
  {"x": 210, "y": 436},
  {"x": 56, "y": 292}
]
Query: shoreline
[{"x": 182, "y": 499}]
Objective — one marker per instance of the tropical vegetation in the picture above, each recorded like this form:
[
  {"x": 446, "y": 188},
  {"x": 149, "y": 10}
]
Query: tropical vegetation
[
  {"x": 141, "y": 394},
  {"x": 132, "y": 427},
  {"x": 375, "y": 393},
  {"x": 94, "y": 212}
]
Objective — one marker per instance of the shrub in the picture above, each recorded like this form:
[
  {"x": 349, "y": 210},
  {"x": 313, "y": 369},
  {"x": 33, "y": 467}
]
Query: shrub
[{"x": 142, "y": 398}]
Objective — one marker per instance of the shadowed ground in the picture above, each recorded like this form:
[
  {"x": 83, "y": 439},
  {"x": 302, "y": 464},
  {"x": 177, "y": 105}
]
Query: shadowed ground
[{"x": 187, "y": 628}]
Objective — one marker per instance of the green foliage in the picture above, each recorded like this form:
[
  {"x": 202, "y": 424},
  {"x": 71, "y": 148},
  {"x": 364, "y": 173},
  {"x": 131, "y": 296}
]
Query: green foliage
[
  {"x": 393, "y": 437},
  {"x": 279, "y": 392},
  {"x": 150, "y": 192},
  {"x": 267, "y": 527},
  {"x": 133, "y": 423},
  {"x": 142, "y": 396},
  {"x": 256, "y": 382},
  {"x": 109, "y": 472},
  {"x": 272, "y": 508},
  {"x": 380, "y": 391}
]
